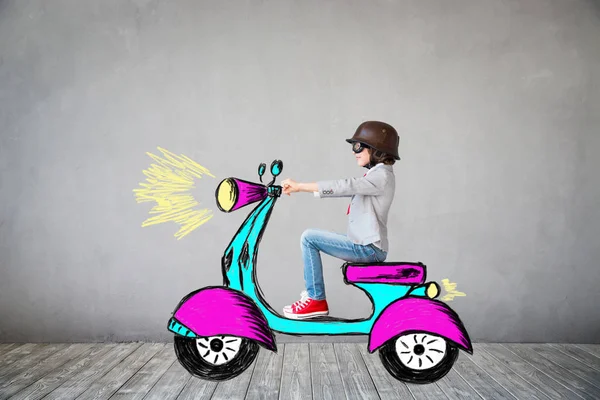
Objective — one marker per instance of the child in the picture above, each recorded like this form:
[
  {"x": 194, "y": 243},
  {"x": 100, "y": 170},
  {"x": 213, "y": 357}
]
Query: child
[{"x": 375, "y": 146}]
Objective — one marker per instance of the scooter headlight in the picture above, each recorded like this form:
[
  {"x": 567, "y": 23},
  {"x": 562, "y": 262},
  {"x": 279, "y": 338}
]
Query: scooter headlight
[
  {"x": 227, "y": 194},
  {"x": 233, "y": 194}
]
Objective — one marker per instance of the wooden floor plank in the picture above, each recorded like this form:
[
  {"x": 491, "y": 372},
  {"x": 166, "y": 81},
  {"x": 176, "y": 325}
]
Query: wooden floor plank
[
  {"x": 266, "y": 378},
  {"x": 107, "y": 385},
  {"x": 170, "y": 384},
  {"x": 512, "y": 382},
  {"x": 579, "y": 354},
  {"x": 83, "y": 379},
  {"x": 20, "y": 359},
  {"x": 536, "y": 377},
  {"x": 593, "y": 349},
  {"x": 324, "y": 372},
  {"x": 295, "y": 376},
  {"x": 455, "y": 387},
  {"x": 426, "y": 391},
  {"x": 388, "y": 387},
  {"x": 480, "y": 380},
  {"x": 569, "y": 363},
  {"x": 16, "y": 383},
  {"x": 355, "y": 376},
  {"x": 198, "y": 389},
  {"x": 557, "y": 372},
  {"x": 237, "y": 387},
  {"x": 6, "y": 347},
  {"x": 138, "y": 386},
  {"x": 17, "y": 354},
  {"x": 57, "y": 376}
]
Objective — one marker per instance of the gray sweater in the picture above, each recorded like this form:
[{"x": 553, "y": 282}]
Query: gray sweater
[{"x": 372, "y": 196}]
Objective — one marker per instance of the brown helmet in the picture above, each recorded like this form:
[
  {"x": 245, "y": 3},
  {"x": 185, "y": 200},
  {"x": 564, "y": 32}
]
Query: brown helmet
[{"x": 379, "y": 136}]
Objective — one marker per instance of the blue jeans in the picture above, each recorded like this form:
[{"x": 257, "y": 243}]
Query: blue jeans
[{"x": 336, "y": 245}]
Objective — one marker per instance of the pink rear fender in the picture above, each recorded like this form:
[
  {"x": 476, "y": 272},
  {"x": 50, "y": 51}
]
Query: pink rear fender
[
  {"x": 219, "y": 310},
  {"x": 414, "y": 314}
]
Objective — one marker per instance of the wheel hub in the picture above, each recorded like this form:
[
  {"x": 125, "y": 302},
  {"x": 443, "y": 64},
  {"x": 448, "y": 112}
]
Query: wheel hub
[
  {"x": 217, "y": 350},
  {"x": 216, "y": 345},
  {"x": 420, "y": 351}
]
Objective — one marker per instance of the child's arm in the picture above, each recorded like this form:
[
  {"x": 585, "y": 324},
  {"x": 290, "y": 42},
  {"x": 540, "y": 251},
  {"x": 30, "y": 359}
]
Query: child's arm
[
  {"x": 308, "y": 187},
  {"x": 372, "y": 184},
  {"x": 291, "y": 186}
]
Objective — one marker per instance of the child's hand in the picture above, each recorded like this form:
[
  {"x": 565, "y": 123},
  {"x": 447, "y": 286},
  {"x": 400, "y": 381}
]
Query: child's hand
[{"x": 290, "y": 186}]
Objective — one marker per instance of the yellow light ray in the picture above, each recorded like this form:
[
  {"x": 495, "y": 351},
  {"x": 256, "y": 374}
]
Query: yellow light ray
[
  {"x": 451, "y": 292},
  {"x": 168, "y": 184}
]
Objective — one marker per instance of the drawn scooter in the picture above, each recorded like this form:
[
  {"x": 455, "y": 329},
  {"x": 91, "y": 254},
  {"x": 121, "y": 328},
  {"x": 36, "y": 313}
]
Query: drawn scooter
[{"x": 219, "y": 329}]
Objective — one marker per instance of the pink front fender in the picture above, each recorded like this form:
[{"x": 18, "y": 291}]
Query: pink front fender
[
  {"x": 419, "y": 314},
  {"x": 215, "y": 311}
]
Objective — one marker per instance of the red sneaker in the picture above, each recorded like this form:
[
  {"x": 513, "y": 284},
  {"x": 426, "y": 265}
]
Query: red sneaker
[{"x": 306, "y": 308}]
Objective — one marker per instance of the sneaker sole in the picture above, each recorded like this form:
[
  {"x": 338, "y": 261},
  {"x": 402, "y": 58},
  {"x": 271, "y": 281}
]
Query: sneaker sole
[{"x": 305, "y": 316}]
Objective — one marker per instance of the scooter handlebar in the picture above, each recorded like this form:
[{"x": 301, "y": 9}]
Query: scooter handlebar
[{"x": 234, "y": 193}]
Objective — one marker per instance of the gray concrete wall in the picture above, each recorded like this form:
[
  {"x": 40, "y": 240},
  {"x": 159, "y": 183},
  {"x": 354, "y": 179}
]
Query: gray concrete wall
[{"x": 497, "y": 103}]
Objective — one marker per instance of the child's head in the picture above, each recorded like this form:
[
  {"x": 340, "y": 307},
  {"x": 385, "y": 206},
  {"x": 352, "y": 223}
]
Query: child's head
[{"x": 375, "y": 142}]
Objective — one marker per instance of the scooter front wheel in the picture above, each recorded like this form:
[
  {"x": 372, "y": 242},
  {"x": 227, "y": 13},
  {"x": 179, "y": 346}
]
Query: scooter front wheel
[
  {"x": 215, "y": 358},
  {"x": 418, "y": 357}
]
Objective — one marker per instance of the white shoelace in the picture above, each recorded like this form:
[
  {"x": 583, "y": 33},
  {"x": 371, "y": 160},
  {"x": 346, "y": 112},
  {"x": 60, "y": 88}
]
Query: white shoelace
[{"x": 300, "y": 304}]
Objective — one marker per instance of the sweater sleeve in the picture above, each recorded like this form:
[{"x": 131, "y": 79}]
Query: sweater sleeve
[{"x": 372, "y": 184}]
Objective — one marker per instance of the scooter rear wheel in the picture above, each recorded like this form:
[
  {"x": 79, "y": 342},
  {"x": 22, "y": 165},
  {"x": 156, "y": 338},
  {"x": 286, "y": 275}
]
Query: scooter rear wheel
[
  {"x": 217, "y": 358},
  {"x": 418, "y": 357}
]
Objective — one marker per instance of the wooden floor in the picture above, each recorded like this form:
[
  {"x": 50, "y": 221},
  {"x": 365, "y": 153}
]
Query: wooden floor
[{"x": 297, "y": 371}]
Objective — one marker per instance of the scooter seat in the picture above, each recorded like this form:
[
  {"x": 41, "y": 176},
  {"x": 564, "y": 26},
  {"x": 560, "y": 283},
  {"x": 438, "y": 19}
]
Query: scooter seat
[{"x": 387, "y": 272}]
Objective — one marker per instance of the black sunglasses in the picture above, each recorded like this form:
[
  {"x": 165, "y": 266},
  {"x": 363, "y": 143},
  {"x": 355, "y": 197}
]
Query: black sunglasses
[{"x": 357, "y": 147}]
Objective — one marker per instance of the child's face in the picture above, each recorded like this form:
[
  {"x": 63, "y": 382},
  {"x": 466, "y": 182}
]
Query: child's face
[{"x": 363, "y": 157}]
